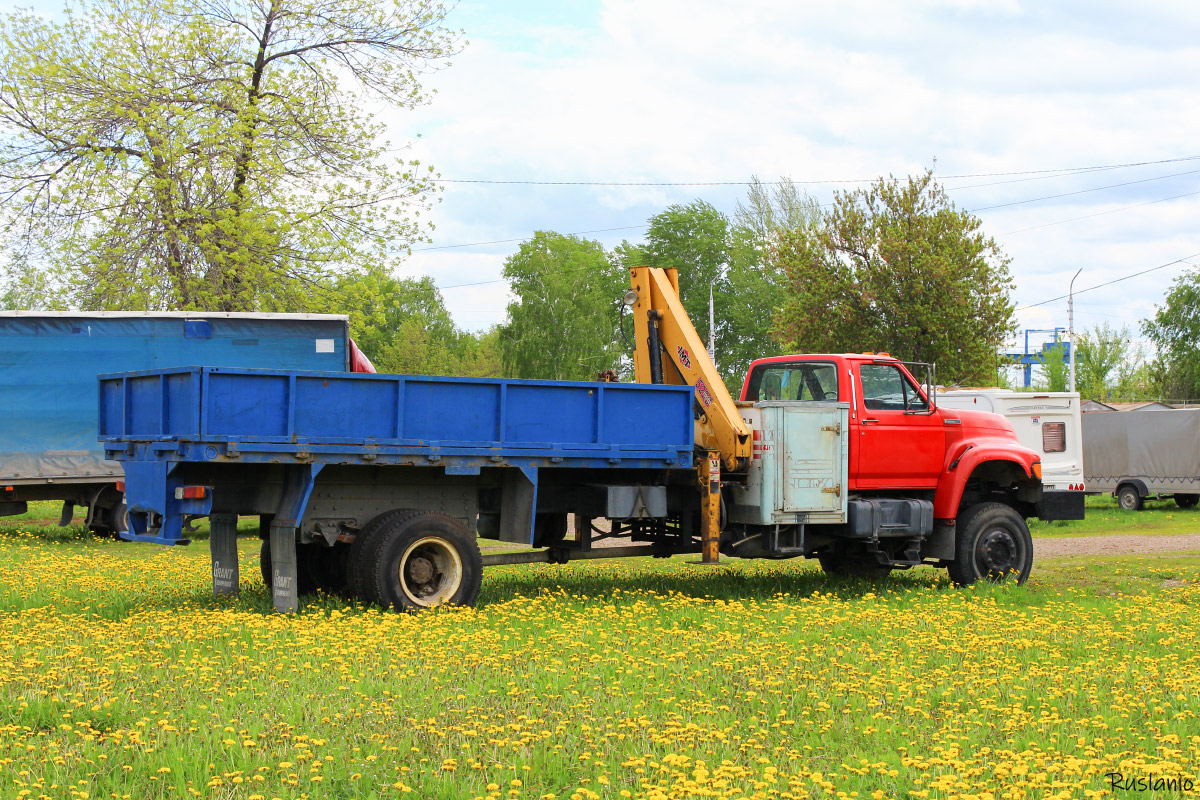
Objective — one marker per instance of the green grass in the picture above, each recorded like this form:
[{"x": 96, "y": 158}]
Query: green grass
[
  {"x": 1104, "y": 517},
  {"x": 120, "y": 675},
  {"x": 41, "y": 520}
]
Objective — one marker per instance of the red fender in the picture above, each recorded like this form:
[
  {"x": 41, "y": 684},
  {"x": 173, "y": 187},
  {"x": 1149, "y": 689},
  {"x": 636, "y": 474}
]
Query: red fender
[{"x": 961, "y": 461}]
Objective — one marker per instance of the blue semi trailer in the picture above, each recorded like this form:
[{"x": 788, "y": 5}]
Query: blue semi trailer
[{"x": 48, "y": 399}]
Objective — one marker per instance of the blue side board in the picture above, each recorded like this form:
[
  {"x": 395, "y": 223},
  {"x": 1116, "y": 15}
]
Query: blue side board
[{"x": 153, "y": 419}]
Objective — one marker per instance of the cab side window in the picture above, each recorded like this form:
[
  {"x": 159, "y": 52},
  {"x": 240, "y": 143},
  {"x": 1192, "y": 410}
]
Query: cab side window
[{"x": 886, "y": 388}]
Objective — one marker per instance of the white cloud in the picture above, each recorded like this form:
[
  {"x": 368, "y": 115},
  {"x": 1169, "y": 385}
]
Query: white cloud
[{"x": 644, "y": 90}]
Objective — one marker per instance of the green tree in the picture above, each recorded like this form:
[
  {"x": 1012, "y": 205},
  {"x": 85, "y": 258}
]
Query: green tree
[
  {"x": 1098, "y": 355},
  {"x": 479, "y": 355},
  {"x": 1055, "y": 375},
  {"x": 1136, "y": 378},
  {"x": 710, "y": 251},
  {"x": 209, "y": 155},
  {"x": 756, "y": 284},
  {"x": 695, "y": 239},
  {"x": 400, "y": 323},
  {"x": 562, "y": 324},
  {"x": 1175, "y": 332},
  {"x": 896, "y": 267}
]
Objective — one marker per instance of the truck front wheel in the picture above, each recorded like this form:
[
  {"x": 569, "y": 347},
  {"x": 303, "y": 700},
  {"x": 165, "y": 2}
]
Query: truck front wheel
[
  {"x": 992, "y": 543},
  {"x": 421, "y": 559}
]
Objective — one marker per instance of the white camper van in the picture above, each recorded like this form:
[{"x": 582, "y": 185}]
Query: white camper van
[{"x": 1047, "y": 422}]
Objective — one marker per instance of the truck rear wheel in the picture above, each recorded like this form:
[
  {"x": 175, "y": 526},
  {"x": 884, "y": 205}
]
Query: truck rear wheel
[
  {"x": 360, "y": 581},
  {"x": 1128, "y": 498},
  {"x": 420, "y": 559},
  {"x": 992, "y": 543}
]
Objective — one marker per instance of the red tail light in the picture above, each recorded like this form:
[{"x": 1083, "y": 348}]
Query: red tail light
[{"x": 191, "y": 492}]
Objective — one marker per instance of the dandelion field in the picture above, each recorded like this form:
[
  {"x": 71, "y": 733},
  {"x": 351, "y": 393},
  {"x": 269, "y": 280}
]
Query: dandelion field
[{"x": 121, "y": 676}]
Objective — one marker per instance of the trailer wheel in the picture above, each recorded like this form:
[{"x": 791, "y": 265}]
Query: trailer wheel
[
  {"x": 1128, "y": 498},
  {"x": 1187, "y": 500},
  {"x": 842, "y": 566},
  {"x": 549, "y": 529},
  {"x": 110, "y": 522},
  {"x": 304, "y": 579},
  {"x": 421, "y": 559},
  {"x": 993, "y": 543},
  {"x": 326, "y": 566}
]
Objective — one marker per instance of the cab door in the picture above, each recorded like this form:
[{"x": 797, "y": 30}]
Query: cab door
[{"x": 898, "y": 443}]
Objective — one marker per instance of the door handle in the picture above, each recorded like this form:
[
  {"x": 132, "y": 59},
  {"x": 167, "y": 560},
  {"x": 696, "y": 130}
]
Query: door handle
[{"x": 870, "y": 422}]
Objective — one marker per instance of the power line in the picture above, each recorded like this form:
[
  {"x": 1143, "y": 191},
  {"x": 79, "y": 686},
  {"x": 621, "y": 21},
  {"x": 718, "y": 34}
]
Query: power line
[
  {"x": 1084, "y": 191},
  {"x": 1100, "y": 213},
  {"x": 1018, "y": 202},
  {"x": 476, "y": 283},
  {"x": 1184, "y": 260},
  {"x": 1060, "y": 171},
  {"x": 523, "y": 238},
  {"x": 956, "y": 188}
]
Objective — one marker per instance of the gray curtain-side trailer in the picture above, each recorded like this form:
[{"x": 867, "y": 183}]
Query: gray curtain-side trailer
[
  {"x": 48, "y": 389},
  {"x": 1139, "y": 454}
]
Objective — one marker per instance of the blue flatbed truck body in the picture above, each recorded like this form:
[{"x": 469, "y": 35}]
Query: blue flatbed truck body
[
  {"x": 48, "y": 390},
  {"x": 322, "y": 454}
]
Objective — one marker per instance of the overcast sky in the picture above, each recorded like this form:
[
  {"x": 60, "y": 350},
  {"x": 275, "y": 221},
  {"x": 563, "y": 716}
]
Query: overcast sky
[
  {"x": 1011, "y": 102},
  {"x": 828, "y": 94}
]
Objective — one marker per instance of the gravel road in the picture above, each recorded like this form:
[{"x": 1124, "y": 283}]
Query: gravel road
[
  {"x": 1057, "y": 547},
  {"x": 1122, "y": 544}
]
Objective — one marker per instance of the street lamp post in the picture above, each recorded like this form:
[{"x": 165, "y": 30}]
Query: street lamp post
[{"x": 1071, "y": 326}]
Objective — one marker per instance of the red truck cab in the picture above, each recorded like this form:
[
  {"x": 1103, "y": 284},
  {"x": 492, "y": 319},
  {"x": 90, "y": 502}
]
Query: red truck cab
[{"x": 905, "y": 452}]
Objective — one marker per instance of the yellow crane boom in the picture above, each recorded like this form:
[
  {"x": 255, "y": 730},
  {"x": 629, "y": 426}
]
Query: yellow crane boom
[{"x": 669, "y": 350}]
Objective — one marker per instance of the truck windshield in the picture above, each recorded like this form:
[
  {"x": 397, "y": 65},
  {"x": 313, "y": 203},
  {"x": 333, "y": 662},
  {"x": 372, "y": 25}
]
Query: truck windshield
[{"x": 811, "y": 381}]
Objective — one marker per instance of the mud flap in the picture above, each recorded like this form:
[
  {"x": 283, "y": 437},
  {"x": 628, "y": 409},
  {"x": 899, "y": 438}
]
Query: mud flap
[
  {"x": 518, "y": 502},
  {"x": 223, "y": 543},
  {"x": 285, "y": 576}
]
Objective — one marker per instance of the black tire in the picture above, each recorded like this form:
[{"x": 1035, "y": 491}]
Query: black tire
[
  {"x": 264, "y": 562},
  {"x": 421, "y": 559},
  {"x": 304, "y": 578},
  {"x": 1187, "y": 500},
  {"x": 992, "y": 543},
  {"x": 1128, "y": 498},
  {"x": 842, "y": 566},
  {"x": 118, "y": 518},
  {"x": 326, "y": 566},
  {"x": 359, "y": 581},
  {"x": 549, "y": 530},
  {"x": 110, "y": 522}
]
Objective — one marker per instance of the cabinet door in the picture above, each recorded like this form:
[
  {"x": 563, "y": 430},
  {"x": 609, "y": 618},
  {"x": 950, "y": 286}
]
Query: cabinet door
[
  {"x": 900, "y": 444},
  {"x": 812, "y": 457}
]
